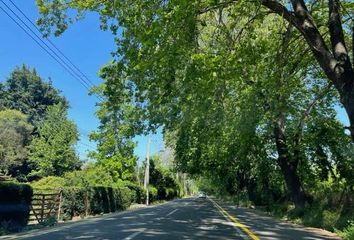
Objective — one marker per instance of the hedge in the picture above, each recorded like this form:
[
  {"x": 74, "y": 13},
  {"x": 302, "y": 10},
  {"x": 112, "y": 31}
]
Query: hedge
[
  {"x": 138, "y": 194},
  {"x": 15, "y": 201},
  {"x": 94, "y": 200},
  {"x": 152, "y": 194},
  {"x": 160, "y": 193}
]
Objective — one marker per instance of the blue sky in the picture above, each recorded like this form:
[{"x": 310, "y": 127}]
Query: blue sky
[{"x": 86, "y": 46}]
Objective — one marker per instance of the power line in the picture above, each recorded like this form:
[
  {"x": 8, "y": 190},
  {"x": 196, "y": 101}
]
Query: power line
[
  {"x": 50, "y": 54},
  {"x": 51, "y": 43},
  {"x": 86, "y": 83},
  {"x": 87, "y": 145},
  {"x": 55, "y": 57}
]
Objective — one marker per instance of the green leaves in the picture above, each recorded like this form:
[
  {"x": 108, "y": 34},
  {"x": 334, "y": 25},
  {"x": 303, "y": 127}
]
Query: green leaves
[
  {"x": 27, "y": 92},
  {"x": 216, "y": 75},
  {"x": 52, "y": 151},
  {"x": 119, "y": 124},
  {"x": 15, "y": 134}
]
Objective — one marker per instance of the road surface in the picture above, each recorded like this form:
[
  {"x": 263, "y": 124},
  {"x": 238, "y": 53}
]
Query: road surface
[{"x": 190, "y": 218}]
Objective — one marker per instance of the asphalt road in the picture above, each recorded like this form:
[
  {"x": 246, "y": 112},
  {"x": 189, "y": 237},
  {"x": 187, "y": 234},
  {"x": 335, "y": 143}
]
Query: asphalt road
[{"x": 190, "y": 218}]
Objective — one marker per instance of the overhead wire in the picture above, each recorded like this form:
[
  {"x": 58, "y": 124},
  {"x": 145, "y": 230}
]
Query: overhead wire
[
  {"x": 51, "y": 43},
  {"x": 38, "y": 40},
  {"x": 71, "y": 68},
  {"x": 39, "y": 44}
]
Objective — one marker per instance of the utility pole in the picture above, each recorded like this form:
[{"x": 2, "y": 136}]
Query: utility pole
[{"x": 147, "y": 171}]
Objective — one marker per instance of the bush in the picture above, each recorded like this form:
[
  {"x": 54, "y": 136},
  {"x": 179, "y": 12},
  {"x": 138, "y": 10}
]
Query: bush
[
  {"x": 166, "y": 193},
  {"x": 348, "y": 232},
  {"x": 94, "y": 200},
  {"x": 15, "y": 201},
  {"x": 73, "y": 202},
  {"x": 49, "y": 183},
  {"x": 138, "y": 194},
  {"x": 152, "y": 194},
  {"x": 124, "y": 197},
  {"x": 171, "y": 193},
  {"x": 90, "y": 176}
]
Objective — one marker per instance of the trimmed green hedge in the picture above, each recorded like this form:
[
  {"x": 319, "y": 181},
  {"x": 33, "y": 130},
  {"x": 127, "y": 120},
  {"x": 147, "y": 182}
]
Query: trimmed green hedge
[
  {"x": 15, "y": 201},
  {"x": 138, "y": 194},
  {"x": 94, "y": 200},
  {"x": 152, "y": 194}
]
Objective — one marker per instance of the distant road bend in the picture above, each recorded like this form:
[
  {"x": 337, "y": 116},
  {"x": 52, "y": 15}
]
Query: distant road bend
[{"x": 190, "y": 218}]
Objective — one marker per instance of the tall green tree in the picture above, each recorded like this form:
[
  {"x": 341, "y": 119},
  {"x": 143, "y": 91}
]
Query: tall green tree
[
  {"x": 52, "y": 152},
  {"x": 175, "y": 24},
  {"x": 115, "y": 148},
  {"x": 25, "y": 91},
  {"x": 15, "y": 135},
  {"x": 233, "y": 80}
]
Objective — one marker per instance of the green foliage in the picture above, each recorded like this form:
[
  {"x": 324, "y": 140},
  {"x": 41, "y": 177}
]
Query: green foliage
[
  {"x": 15, "y": 200},
  {"x": 88, "y": 191},
  {"x": 49, "y": 222},
  {"x": 348, "y": 232},
  {"x": 91, "y": 175},
  {"x": 52, "y": 151},
  {"x": 138, "y": 194},
  {"x": 105, "y": 200},
  {"x": 244, "y": 102},
  {"x": 73, "y": 202},
  {"x": 14, "y": 137},
  {"x": 331, "y": 209},
  {"x": 49, "y": 183},
  {"x": 28, "y": 93},
  {"x": 78, "y": 201},
  {"x": 152, "y": 193},
  {"x": 161, "y": 178},
  {"x": 115, "y": 145}
]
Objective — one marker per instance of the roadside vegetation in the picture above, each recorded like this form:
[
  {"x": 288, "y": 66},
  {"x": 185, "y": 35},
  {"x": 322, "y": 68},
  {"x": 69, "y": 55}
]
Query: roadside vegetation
[
  {"x": 246, "y": 91},
  {"x": 248, "y": 95},
  {"x": 38, "y": 155}
]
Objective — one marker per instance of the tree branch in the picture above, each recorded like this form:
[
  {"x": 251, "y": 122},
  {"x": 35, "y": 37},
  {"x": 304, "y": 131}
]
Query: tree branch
[
  {"x": 309, "y": 108},
  {"x": 299, "y": 7},
  {"x": 280, "y": 9},
  {"x": 216, "y": 6},
  {"x": 336, "y": 31}
]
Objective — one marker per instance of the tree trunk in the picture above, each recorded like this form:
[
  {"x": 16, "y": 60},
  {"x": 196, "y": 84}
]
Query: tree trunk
[
  {"x": 335, "y": 63},
  {"x": 347, "y": 99},
  {"x": 288, "y": 165}
]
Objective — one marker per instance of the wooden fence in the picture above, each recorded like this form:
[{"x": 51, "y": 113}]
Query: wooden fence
[{"x": 45, "y": 205}]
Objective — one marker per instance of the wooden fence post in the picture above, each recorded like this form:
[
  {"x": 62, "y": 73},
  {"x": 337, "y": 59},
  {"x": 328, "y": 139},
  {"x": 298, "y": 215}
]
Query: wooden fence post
[
  {"x": 86, "y": 204},
  {"x": 59, "y": 207},
  {"x": 42, "y": 208}
]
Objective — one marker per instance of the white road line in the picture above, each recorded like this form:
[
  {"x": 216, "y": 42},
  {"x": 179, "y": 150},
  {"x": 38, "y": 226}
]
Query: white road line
[
  {"x": 172, "y": 212},
  {"x": 133, "y": 235}
]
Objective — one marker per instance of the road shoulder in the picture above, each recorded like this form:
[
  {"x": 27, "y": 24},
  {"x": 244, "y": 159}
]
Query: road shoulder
[{"x": 267, "y": 227}]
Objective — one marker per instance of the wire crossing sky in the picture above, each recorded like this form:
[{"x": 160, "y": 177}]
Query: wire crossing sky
[{"x": 71, "y": 61}]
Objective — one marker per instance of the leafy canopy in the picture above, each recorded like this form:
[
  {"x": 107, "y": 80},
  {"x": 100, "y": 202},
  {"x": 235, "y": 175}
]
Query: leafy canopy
[
  {"x": 25, "y": 91},
  {"x": 15, "y": 135},
  {"x": 52, "y": 152}
]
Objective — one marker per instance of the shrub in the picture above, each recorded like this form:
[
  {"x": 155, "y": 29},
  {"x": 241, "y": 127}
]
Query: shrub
[
  {"x": 94, "y": 200},
  {"x": 73, "y": 202},
  {"x": 348, "y": 232},
  {"x": 138, "y": 194},
  {"x": 171, "y": 193},
  {"x": 124, "y": 198},
  {"x": 152, "y": 193},
  {"x": 90, "y": 176},
  {"x": 15, "y": 201},
  {"x": 49, "y": 183}
]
